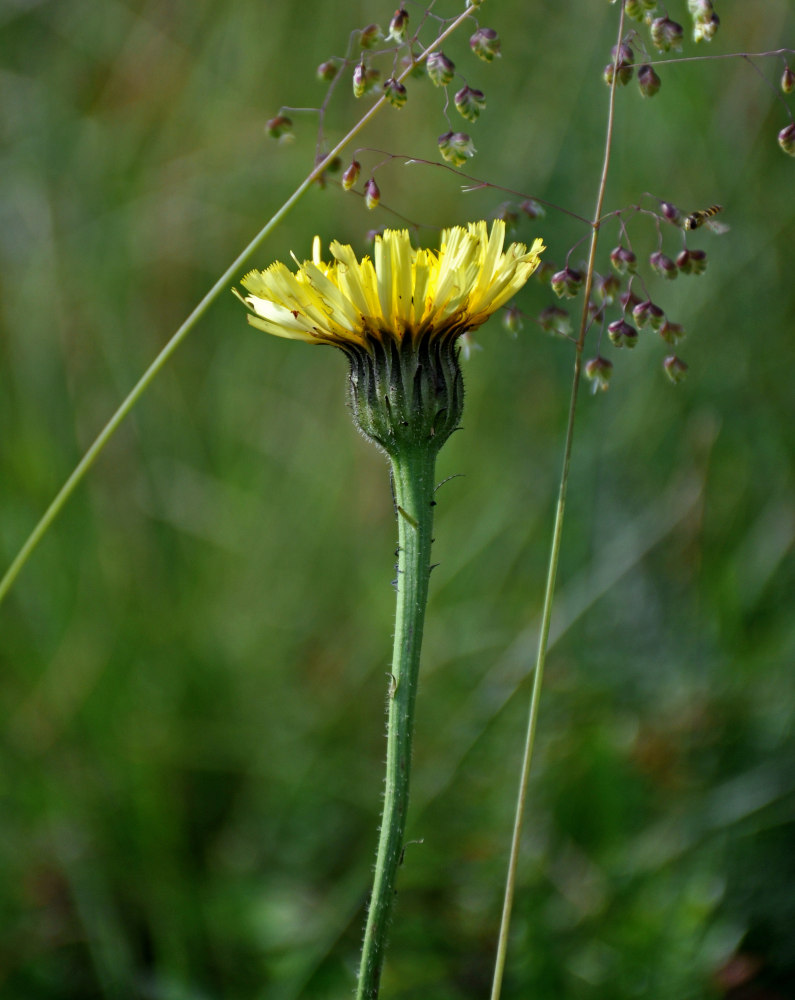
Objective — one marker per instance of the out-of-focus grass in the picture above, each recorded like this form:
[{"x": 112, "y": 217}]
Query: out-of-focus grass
[{"x": 194, "y": 660}]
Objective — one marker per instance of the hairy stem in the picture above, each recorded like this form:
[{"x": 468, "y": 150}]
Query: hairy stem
[
  {"x": 222, "y": 284},
  {"x": 413, "y": 483},
  {"x": 554, "y": 554}
]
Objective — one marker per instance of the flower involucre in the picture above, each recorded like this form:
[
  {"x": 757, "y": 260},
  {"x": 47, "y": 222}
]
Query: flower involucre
[{"x": 402, "y": 294}]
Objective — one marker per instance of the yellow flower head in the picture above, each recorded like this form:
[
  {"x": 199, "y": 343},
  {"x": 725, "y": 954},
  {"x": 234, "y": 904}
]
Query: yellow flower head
[{"x": 401, "y": 293}]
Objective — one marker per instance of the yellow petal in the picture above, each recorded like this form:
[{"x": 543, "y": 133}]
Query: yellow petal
[{"x": 402, "y": 292}]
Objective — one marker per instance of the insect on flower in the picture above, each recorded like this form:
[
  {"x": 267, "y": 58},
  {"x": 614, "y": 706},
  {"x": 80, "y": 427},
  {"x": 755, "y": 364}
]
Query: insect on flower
[{"x": 704, "y": 217}]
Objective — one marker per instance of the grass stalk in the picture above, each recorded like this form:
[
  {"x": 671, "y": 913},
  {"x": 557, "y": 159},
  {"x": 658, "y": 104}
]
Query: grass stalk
[{"x": 554, "y": 554}]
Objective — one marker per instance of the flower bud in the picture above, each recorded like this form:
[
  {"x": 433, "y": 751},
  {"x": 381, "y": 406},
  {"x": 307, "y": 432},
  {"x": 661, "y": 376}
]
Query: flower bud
[
  {"x": 359, "y": 80},
  {"x": 555, "y": 320},
  {"x": 705, "y": 20},
  {"x": 485, "y": 43},
  {"x": 326, "y": 71},
  {"x": 786, "y": 139},
  {"x": 370, "y": 36},
  {"x": 371, "y": 78},
  {"x": 648, "y": 313},
  {"x": 674, "y": 368},
  {"x": 663, "y": 265},
  {"x": 532, "y": 209},
  {"x": 598, "y": 371},
  {"x": 279, "y": 127},
  {"x": 623, "y": 260},
  {"x": 672, "y": 333},
  {"x": 622, "y": 334},
  {"x": 440, "y": 69},
  {"x": 656, "y": 316},
  {"x": 372, "y": 194},
  {"x": 351, "y": 175},
  {"x": 648, "y": 81},
  {"x": 399, "y": 25},
  {"x": 692, "y": 261},
  {"x": 787, "y": 80},
  {"x": 512, "y": 320},
  {"x": 470, "y": 103},
  {"x": 395, "y": 92},
  {"x": 705, "y": 31},
  {"x": 624, "y": 74},
  {"x": 666, "y": 34},
  {"x": 634, "y": 9},
  {"x": 671, "y": 213},
  {"x": 566, "y": 283},
  {"x": 640, "y": 313},
  {"x": 626, "y": 57},
  {"x": 621, "y": 59},
  {"x": 607, "y": 288},
  {"x": 456, "y": 147}
]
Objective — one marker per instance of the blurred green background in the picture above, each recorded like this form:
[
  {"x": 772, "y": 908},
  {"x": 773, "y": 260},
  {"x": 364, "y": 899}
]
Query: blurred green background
[{"x": 193, "y": 662}]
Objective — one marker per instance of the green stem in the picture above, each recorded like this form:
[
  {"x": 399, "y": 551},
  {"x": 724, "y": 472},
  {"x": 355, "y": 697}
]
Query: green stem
[
  {"x": 554, "y": 554},
  {"x": 413, "y": 484},
  {"x": 222, "y": 284}
]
